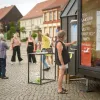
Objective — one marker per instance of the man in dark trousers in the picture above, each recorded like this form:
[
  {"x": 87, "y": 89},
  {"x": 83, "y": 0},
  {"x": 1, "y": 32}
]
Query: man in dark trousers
[{"x": 3, "y": 48}]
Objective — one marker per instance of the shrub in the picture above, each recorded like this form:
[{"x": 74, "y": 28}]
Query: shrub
[
  {"x": 34, "y": 35},
  {"x": 24, "y": 40}
]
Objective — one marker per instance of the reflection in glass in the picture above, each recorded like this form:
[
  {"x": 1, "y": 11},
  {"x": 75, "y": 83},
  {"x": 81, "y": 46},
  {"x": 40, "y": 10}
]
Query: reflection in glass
[{"x": 90, "y": 45}]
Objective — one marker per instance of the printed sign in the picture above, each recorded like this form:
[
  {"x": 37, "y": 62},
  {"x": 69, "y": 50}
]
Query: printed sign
[{"x": 86, "y": 54}]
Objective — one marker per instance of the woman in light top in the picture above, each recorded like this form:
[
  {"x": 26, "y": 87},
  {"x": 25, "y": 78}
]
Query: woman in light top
[
  {"x": 15, "y": 45},
  {"x": 31, "y": 49}
]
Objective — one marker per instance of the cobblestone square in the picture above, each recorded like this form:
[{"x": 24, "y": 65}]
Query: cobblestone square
[{"x": 17, "y": 87}]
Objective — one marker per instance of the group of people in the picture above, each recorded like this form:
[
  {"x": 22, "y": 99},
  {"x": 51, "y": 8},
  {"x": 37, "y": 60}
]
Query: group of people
[{"x": 61, "y": 54}]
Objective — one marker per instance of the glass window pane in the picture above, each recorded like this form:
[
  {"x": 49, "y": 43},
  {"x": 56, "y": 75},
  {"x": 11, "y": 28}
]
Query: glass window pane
[{"x": 90, "y": 44}]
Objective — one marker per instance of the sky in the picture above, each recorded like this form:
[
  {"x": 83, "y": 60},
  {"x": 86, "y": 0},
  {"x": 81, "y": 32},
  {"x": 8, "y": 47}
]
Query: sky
[{"x": 24, "y": 6}]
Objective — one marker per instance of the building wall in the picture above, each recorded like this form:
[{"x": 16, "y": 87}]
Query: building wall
[
  {"x": 51, "y": 21},
  {"x": 31, "y": 25}
]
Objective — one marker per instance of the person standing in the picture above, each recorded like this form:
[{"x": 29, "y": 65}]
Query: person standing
[
  {"x": 49, "y": 57},
  {"x": 62, "y": 58},
  {"x": 15, "y": 45},
  {"x": 3, "y": 48},
  {"x": 31, "y": 49},
  {"x": 45, "y": 45}
]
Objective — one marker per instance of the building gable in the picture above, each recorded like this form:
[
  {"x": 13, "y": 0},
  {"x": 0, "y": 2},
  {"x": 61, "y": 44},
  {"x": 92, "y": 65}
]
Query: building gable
[
  {"x": 12, "y": 15},
  {"x": 70, "y": 9}
]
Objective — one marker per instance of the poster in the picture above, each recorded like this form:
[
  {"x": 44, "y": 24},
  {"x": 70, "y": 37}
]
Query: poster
[{"x": 86, "y": 54}]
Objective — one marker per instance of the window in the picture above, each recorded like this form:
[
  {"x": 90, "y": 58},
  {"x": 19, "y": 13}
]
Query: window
[
  {"x": 51, "y": 32},
  {"x": 29, "y": 32},
  {"x": 45, "y": 16},
  {"x": 33, "y": 22},
  {"x": 54, "y": 15},
  {"x": 54, "y": 31},
  {"x": 50, "y": 16},
  {"x": 90, "y": 43},
  {"x": 45, "y": 30},
  {"x": 59, "y": 14},
  {"x": 40, "y": 21}
]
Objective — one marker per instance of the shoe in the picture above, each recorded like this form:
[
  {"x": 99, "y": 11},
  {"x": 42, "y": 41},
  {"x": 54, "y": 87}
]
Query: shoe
[
  {"x": 45, "y": 69},
  {"x": 63, "y": 92},
  {"x": 48, "y": 68},
  {"x": 5, "y": 77}
]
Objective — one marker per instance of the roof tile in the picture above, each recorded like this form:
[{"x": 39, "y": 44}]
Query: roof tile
[{"x": 57, "y": 3}]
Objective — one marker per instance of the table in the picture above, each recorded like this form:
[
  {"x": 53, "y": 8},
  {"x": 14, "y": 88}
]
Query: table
[{"x": 41, "y": 69}]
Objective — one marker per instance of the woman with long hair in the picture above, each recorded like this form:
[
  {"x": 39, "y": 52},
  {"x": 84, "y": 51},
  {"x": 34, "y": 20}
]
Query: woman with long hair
[
  {"x": 15, "y": 45},
  {"x": 31, "y": 49}
]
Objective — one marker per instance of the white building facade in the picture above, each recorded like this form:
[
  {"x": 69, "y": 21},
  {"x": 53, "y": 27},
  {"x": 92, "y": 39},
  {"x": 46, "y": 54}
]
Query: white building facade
[{"x": 31, "y": 25}]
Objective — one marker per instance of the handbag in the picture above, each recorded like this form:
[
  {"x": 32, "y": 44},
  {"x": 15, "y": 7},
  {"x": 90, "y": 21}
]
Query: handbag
[{"x": 49, "y": 50}]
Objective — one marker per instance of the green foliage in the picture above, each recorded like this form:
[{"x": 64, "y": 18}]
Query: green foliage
[
  {"x": 12, "y": 29},
  {"x": 18, "y": 25},
  {"x": 34, "y": 35},
  {"x": 22, "y": 29},
  {"x": 24, "y": 40},
  {"x": 9, "y": 35},
  {"x": 11, "y": 32},
  {"x": 12, "y": 24}
]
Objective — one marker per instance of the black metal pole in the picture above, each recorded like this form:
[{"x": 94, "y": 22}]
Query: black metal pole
[
  {"x": 40, "y": 69},
  {"x": 55, "y": 67},
  {"x": 43, "y": 70},
  {"x": 28, "y": 67}
]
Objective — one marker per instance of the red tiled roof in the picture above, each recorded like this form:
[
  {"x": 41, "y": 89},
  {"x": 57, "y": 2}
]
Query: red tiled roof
[
  {"x": 4, "y": 11},
  {"x": 57, "y": 3},
  {"x": 37, "y": 10}
]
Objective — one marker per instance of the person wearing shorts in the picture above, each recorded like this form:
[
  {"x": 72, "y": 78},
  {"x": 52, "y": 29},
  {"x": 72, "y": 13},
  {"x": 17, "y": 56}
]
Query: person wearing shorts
[{"x": 62, "y": 58}]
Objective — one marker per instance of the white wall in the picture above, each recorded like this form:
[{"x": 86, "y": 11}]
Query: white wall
[{"x": 30, "y": 25}]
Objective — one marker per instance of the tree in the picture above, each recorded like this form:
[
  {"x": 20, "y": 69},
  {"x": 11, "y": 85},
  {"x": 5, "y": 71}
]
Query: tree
[
  {"x": 22, "y": 29},
  {"x": 11, "y": 32},
  {"x": 12, "y": 24}
]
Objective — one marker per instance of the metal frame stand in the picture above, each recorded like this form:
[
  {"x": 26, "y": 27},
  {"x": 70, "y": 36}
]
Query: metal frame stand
[{"x": 41, "y": 71}]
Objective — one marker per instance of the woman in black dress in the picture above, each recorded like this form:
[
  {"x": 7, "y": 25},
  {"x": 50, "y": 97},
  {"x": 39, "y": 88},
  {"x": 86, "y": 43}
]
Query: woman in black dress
[{"x": 31, "y": 49}]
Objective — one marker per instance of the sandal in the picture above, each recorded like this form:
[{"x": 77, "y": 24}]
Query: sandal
[
  {"x": 62, "y": 92},
  {"x": 64, "y": 89}
]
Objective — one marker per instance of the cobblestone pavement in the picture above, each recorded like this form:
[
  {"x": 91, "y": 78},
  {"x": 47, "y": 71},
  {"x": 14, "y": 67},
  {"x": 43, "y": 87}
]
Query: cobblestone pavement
[{"x": 17, "y": 87}]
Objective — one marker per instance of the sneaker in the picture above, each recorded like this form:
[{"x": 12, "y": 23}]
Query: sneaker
[
  {"x": 5, "y": 77},
  {"x": 45, "y": 69}
]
